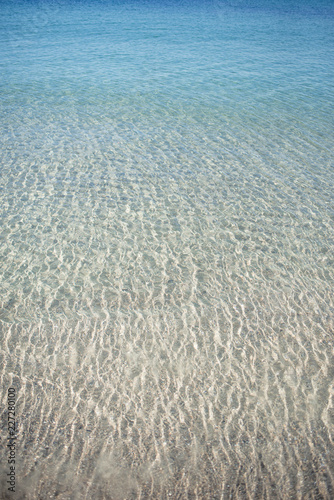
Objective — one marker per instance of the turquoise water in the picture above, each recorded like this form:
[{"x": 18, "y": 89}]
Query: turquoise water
[{"x": 167, "y": 248}]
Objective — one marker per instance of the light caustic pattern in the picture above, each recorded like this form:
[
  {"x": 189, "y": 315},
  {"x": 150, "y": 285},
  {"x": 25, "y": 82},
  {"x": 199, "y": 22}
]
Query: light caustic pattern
[
  {"x": 167, "y": 264},
  {"x": 169, "y": 329}
]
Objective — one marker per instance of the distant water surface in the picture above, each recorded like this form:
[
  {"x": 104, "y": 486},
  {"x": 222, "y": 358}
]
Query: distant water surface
[{"x": 166, "y": 278}]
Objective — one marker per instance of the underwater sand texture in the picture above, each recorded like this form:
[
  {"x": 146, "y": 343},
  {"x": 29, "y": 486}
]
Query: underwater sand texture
[{"x": 169, "y": 332}]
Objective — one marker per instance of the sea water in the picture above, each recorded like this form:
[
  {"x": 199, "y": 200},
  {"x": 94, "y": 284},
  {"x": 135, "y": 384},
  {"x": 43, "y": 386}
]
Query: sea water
[{"x": 167, "y": 248}]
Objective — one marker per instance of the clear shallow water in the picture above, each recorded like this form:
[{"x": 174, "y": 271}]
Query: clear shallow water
[{"x": 167, "y": 248}]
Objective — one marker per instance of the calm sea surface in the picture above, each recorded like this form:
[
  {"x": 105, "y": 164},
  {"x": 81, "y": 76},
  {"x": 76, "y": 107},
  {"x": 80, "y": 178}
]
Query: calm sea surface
[{"x": 166, "y": 248}]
